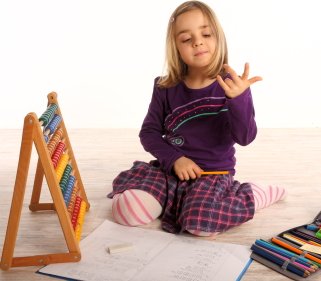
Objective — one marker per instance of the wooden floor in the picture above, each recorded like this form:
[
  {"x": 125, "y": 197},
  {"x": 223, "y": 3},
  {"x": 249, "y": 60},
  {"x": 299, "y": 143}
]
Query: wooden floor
[{"x": 286, "y": 157}]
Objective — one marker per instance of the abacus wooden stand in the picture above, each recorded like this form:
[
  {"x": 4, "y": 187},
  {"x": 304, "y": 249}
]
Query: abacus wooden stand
[{"x": 32, "y": 134}]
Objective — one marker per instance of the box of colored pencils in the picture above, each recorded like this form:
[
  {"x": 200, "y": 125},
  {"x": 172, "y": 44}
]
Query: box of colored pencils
[{"x": 295, "y": 253}]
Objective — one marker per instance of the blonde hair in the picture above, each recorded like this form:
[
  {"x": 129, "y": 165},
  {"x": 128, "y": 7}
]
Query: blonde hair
[{"x": 176, "y": 68}]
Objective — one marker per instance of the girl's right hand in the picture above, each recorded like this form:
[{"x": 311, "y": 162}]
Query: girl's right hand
[
  {"x": 236, "y": 85},
  {"x": 186, "y": 169}
]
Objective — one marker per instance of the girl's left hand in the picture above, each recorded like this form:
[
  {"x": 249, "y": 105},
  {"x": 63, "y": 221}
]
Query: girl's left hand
[{"x": 238, "y": 84}]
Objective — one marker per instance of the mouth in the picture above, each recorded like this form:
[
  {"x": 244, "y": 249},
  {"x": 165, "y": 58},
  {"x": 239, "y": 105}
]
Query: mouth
[{"x": 198, "y": 54}]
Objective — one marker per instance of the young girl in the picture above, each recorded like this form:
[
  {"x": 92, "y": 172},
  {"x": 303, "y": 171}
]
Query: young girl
[{"x": 198, "y": 111}]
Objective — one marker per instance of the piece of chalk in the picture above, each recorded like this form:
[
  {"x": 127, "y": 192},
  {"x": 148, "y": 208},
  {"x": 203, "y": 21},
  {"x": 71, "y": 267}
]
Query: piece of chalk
[{"x": 118, "y": 248}]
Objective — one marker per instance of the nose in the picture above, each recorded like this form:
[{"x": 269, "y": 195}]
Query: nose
[{"x": 197, "y": 43}]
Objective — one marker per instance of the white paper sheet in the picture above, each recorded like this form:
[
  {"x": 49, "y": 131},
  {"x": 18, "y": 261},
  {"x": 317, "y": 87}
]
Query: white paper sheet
[{"x": 155, "y": 255}]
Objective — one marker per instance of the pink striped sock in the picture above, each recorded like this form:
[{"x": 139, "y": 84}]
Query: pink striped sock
[
  {"x": 135, "y": 207},
  {"x": 266, "y": 197}
]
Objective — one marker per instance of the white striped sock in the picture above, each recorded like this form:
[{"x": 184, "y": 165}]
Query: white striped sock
[
  {"x": 266, "y": 197},
  {"x": 135, "y": 207}
]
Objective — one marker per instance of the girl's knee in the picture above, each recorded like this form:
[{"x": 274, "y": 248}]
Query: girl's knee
[{"x": 135, "y": 207}]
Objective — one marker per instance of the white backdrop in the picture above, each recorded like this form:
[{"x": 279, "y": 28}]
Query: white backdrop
[{"x": 101, "y": 58}]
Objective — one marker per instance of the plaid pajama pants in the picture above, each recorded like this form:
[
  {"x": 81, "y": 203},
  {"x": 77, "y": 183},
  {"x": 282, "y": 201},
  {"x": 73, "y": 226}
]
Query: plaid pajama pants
[{"x": 212, "y": 203}]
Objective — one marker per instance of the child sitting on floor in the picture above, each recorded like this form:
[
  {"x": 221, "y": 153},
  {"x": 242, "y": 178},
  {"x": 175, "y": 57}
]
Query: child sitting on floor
[{"x": 198, "y": 111}]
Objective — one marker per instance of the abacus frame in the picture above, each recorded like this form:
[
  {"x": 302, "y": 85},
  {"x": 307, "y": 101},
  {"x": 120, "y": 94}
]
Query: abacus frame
[{"x": 32, "y": 134}]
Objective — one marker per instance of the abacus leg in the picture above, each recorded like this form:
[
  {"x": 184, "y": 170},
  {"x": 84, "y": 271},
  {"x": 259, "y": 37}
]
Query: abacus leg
[{"x": 18, "y": 195}]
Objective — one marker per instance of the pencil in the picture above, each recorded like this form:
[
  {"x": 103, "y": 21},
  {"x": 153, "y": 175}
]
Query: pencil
[
  {"x": 294, "y": 239},
  {"x": 298, "y": 247},
  {"x": 286, "y": 257},
  {"x": 215, "y": 173},
  {"x": 314, "y": 243},
  {"x": 294, "y": 263},
  {"x": 275, "y": 259},
  {"x": 300, "y": 236},
  {"x": 305, "y": 236},
  {"x": 286, "y": 253},
  {"x": 295, "y": 250}
]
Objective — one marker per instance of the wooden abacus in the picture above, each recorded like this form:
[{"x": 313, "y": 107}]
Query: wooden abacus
[{"x": 57, "y": 163}]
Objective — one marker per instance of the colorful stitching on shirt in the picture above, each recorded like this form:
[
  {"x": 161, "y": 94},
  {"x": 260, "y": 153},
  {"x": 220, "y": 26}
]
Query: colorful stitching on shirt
[
  {"x": 198, "y": 115},
  {"x": 201, "y": 107}
]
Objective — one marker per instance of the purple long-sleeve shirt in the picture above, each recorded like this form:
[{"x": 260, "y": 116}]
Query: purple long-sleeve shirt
[{"x": 200, "y": 124}]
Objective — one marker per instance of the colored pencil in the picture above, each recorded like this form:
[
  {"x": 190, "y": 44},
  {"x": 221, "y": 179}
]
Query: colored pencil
[
  {"x": 305, "y": 235},
  {"x": 286, "y": 257},
  {"x": 297, "y": 235},
  {"x": 294, "y": 263},
  {"x": 287, "y": 254},
  {"x": 215, "y": 173},
  {"x": 275, "y": 259},
  {"x": 307, "y": 231},
  {"x": 289, "y": 242},
  {"x": 298, "y": 247},
  {"x": 295, "y": 250},
  {"x": 294, "y": 239}
]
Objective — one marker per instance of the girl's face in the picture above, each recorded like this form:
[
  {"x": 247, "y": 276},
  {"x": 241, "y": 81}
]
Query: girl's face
[{"x": 195, "y": 40}]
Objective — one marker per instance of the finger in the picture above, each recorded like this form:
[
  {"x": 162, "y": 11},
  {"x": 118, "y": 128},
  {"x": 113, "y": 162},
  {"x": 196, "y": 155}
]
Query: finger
[
  {"x": 185, "y": 176},
  {"x": 232, "y": 72},
  {"x": 180, "y": 176},
  {"x": 255, "y": 79},
  {"x": 222, "y": 83},
  {"x": 246, "y": 72},
  {"x": 192, "y": 174},
  {"x": 198, "y": 171},
  {"x": 230, "y": 83}
]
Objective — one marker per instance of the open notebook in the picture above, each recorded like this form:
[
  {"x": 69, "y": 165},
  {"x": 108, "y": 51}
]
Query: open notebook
[{"x": 152, "y": 255}]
